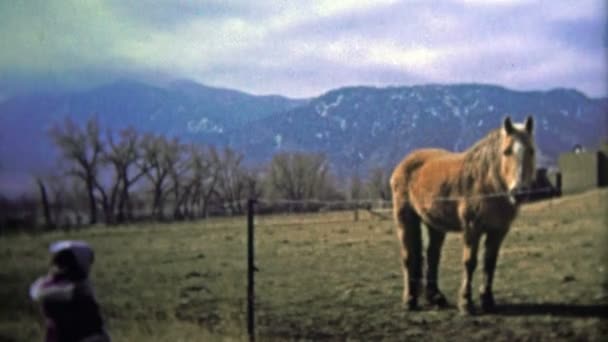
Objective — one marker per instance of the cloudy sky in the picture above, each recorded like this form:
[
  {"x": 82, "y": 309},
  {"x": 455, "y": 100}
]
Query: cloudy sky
[{"x": 303, "y": 48}]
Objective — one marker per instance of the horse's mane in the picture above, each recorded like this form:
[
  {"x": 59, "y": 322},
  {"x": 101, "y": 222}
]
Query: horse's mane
[{"x": 482, "y": 160}]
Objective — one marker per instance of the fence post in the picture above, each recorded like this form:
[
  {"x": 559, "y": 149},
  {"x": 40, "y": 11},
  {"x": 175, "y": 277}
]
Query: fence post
[{"x": 250, "y": 271}]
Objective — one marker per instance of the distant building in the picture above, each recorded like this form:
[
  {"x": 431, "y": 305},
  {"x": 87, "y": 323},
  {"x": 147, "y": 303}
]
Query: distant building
[
  {"x": 583, "y": 170},
  {"x": 547, "y": 184}
]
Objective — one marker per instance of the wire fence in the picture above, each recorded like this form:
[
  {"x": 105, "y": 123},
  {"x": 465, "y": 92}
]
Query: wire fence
[
  {"x": 268, "y": 209},
  {"x": 377, "y": 209}
]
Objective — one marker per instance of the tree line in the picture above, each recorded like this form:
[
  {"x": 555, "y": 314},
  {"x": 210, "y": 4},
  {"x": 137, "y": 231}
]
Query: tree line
[{"x": 123, "y": 176}]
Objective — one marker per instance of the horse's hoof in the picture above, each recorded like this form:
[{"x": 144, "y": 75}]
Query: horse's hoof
[
  {"x": 487, "y": 302},
  {"x": 437, "y": 299},
  {"x": 411, "y": 304},
  {"x": 467, "y": 309}
]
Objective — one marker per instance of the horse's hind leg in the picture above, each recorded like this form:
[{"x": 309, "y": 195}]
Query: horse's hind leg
[
  {"x": 493, "y": 241},
  {"x": 410, "y": 239},
  {"x": 433, "y": 255}
]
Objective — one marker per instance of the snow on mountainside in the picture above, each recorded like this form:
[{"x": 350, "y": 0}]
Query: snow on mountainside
[{"x": 364, "y": 127}]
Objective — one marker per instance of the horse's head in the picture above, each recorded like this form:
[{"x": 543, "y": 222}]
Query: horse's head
[{"x": 518, "y": 163}]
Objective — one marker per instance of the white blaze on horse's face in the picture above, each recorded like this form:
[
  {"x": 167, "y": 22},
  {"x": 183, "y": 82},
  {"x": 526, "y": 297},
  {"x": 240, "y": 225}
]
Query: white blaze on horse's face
[
  {"x": 519, "y": 152},
  {"x": 518, "y": 161}
]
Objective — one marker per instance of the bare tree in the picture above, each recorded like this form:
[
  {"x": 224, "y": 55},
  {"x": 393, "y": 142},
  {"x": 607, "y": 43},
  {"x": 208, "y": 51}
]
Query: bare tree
[
  {"x": 298, "y": 176},
  {"x": 126, "y": 158},
  {"x": 179, "y": 166},
  {"x": 235, "y": 182},
  {"x": 152, "y": 149},
  {"x": 46, "y": 206},
  {"x": 108, "y": 194},
  {"x": 204, "y": 176},
  {"x": 254, "y": 182},
  {"x": 378, "y": 184},
  {"x": 83, "y": 148},
  {"x": 66, "y": 197},
  {"x": 159, "y": 157}
]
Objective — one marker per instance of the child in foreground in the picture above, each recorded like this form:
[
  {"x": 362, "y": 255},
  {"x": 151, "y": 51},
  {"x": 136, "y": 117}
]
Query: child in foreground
[{"x": 66, "y": 296}]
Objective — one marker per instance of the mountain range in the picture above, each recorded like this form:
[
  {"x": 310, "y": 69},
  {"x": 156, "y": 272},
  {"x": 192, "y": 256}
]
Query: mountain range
[{"x": 358, "y": 128}]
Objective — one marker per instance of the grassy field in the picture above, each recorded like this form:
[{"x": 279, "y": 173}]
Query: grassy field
[{"x": 324, "y": 277}]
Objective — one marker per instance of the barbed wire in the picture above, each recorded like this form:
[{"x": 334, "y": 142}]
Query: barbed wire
[
  {"x": 285, "y": 201},
  {"x": 373, "y": 208},
  {"x": 318, "y": 201},
  {"x": 376, "y": 207},
  {"x": 496, "y": 194},
  {"x": 382, "y": 211}
]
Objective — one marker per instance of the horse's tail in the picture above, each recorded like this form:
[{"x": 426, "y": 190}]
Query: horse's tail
[
  {"x": 408, "y": 227},
  {"x": 400, "y": 184},
  {"x": 402, "y": 175}
]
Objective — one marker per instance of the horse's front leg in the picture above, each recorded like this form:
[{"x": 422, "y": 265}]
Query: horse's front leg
[
  {"x": 493, "y": 241},
  {"x": 471, "y": 237}
]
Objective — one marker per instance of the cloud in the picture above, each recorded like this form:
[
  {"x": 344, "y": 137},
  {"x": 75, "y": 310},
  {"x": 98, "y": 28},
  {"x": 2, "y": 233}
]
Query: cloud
[
  {"x": 41, "y": 35},
  {"x": 305, "y": 48}
]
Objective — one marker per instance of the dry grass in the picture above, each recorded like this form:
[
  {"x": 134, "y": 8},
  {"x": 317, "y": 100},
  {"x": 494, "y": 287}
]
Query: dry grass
[{"x": 323, "y": 276}]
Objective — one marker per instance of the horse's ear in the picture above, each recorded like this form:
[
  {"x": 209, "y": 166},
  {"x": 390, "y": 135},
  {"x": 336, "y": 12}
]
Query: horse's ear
[
  {"x": 529, "y": 124},
  {"x": 508, "y": 125}
]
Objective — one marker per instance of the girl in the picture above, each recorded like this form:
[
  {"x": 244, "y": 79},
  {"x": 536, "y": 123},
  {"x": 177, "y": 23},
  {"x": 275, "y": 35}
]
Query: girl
[{"x": 66, "y": 295}]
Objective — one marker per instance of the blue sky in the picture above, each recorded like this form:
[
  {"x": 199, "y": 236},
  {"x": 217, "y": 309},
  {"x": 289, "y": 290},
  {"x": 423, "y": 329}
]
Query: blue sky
[{"x": 304, "y": 48}]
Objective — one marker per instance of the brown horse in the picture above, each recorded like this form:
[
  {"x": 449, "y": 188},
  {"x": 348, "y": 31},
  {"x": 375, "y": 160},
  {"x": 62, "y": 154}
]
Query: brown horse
[{"x": 473, "y": 192}]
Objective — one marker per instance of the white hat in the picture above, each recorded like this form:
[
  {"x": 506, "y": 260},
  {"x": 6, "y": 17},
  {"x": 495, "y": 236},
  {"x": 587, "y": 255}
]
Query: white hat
[{"x": 81, "y": 250}]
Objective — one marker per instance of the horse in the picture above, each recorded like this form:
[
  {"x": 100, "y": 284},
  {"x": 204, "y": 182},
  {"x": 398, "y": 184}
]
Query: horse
[{"x": 474, "y": 193}]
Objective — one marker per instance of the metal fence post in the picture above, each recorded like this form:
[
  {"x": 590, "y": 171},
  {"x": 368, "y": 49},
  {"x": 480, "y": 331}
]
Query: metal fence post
[{"x": 250, "y": 271}]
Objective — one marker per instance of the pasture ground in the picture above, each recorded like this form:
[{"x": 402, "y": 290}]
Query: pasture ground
[{"x": 324, "y": 277}]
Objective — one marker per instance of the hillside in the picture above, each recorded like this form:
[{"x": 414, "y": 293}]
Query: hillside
[
  {"x": 364, "y": 127},
  {"x": 358, "y": 128},
  {"x": 184, "y": 109}
]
